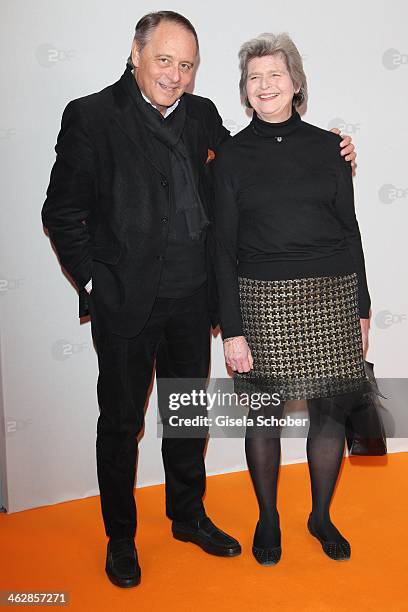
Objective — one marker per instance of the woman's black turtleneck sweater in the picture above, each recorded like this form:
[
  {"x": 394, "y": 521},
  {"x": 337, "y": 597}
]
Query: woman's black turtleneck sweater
[{"x": 284, "y": 209}]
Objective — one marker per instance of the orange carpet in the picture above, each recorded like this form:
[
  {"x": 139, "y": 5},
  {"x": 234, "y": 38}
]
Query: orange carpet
[{"x": 62, "y": 547}]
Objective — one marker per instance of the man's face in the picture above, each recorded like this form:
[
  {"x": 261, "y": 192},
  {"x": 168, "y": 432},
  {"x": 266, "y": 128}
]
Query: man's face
[{"x": 164, "y": 67}]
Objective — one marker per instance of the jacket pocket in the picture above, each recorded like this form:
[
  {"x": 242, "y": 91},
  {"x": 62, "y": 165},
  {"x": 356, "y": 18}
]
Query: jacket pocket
[{"x": 106, "y": 254}]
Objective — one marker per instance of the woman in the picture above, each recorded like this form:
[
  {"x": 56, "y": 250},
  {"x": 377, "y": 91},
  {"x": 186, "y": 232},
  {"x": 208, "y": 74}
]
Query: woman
[{"x": 294, "y": 301}]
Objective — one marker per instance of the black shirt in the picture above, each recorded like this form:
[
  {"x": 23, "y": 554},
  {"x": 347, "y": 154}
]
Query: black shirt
[{"x": 284, "y": 209}]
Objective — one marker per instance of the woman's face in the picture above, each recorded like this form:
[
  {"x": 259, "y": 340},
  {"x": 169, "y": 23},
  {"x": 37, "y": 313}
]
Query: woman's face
[{"x": 270, "y": 89}]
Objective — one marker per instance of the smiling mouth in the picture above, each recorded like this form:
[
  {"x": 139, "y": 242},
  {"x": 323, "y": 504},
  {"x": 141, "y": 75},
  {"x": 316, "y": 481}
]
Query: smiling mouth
[
  {"x": 269, "y": 96},
  {"x": 168, "y": 88}
]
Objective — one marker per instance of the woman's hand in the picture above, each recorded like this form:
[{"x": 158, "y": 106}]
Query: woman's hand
[
  {"x": 365, "y": 326},
  {"x": 238, "y": 354}
]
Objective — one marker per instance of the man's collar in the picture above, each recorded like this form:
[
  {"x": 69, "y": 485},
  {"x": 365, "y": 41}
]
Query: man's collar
[{"x": 169, "y": 109}]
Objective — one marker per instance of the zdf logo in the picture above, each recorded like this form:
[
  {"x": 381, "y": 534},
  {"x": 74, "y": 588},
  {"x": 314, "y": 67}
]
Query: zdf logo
[
  {"x": 61, "y": 350},
  {"x": 393, "y": 59},
  {"x": 389, "y": 193},
  {"x": 13, "y": 426},
  {"x": 10, "y": 284},
  {"x": 345, "y": 127},
  {"x": 385, "y": 318},
  {"x": 48, "y": 55}
]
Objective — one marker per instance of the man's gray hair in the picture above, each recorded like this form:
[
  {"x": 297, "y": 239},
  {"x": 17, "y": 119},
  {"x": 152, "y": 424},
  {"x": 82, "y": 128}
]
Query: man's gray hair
[
  {"x": 148, "y": 23},
  {"x": 273, "y": 44}
]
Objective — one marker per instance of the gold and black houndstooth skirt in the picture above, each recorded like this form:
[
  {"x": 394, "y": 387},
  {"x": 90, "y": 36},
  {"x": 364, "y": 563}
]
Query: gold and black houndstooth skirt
[{"x": 304, "y": 336}]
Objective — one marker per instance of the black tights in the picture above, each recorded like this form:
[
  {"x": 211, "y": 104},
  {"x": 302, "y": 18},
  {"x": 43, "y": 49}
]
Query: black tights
[{"x": 325, "y": 448}]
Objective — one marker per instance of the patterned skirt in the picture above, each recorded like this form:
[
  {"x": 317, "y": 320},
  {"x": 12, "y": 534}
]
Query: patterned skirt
[{"x": 304, "y": 336}]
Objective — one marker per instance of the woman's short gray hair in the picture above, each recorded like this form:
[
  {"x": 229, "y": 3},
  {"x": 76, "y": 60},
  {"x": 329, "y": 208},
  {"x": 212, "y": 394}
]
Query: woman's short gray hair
[{"x": 273, "y": 44}]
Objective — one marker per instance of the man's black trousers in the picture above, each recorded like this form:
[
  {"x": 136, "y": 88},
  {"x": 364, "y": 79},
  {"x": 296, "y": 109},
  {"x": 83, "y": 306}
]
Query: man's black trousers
[{"x": 177, "y": 338}]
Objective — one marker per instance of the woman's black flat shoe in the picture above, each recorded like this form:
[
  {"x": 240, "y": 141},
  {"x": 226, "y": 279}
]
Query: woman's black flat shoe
[
  {"x": 339, "y": 551},
  {"x": 266, "y": 556}
]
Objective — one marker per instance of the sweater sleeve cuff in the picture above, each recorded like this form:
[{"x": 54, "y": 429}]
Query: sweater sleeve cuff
[
  {"x": 231, "y": 332},
  {"x": 364, "y": 307}
]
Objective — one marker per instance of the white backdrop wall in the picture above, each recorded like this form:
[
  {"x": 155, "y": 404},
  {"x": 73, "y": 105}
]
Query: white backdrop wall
[{"x": 356, "y": 60}]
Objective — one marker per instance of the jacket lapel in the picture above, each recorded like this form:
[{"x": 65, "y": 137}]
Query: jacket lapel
[{"x": 130, "y": 122}]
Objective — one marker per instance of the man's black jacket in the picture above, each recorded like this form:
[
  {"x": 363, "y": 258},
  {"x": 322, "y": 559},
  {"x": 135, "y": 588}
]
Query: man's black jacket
[{"x": 108, "y": 202}]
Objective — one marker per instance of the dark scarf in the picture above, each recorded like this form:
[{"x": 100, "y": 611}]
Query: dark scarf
[{"x": 170, "y": 132}]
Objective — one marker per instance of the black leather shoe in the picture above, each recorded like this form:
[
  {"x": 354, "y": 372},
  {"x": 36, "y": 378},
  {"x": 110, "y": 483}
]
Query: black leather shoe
[
  {"x": 338, "y": 551},
  {"x": 205, "y": 534},
  {"x": 266, "y": 556},
  {"x": 122, "y": 566}
]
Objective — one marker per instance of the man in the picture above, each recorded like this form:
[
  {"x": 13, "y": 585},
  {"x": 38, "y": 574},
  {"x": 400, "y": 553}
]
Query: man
[{"x": 128, "y": 211}]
